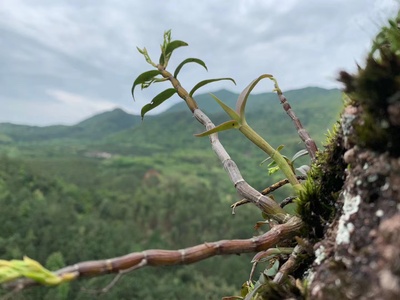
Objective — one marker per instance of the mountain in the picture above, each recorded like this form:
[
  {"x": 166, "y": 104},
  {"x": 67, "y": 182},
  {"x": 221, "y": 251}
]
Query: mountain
[
  {"x": 113, "y": 184},
  {"x": 160, "y": 141},
  {"x": 317, "y": 100},
  {"x": 95, "y": 127},
  {"x": 210, "y": 106},
  {"x": 107, "y": 123}
]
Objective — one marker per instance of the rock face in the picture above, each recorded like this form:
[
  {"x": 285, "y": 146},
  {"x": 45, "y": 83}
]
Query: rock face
[{"x": 359, "y": 256}]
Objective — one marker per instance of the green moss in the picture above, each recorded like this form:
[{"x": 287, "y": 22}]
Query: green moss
[
  {"x": 376, "y": 90},
  {"x": 316, "y": 205}
]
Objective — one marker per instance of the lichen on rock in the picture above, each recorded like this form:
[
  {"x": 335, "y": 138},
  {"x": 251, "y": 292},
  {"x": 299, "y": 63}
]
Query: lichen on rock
[{"x": 362, "y": 241}]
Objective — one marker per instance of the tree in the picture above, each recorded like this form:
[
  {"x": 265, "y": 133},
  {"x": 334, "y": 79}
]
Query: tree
[{"x": 342, "y": 242}]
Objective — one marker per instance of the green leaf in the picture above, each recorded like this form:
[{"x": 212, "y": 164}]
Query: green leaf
[
  {"x": 273, "y": 270},
  {"x": 146, "y": 56},
  {"x": 189, "y": 60},
  {"x": 166, "y": 41},
  {"x": 301, "y": 153},
  {"x": 261, "y": 281},
  {"x": 227, "y": 109},
  {"x": 143, "y": 78},
  {"x": 280, "y": 147},
  {"x": 224, "y": 126},
  {"x": 141, "y": 51},
  {"x": 263, "y": 256},
  {"x": 167, "y": 38},
  {"x": 242, "y": 99},
  {"x": 174, "y": 45},
  {"x": 207, "y": 81},
  {"x": 157, "y": 100},
  {"x": 304, "y": 169},
  {"x": 166, "y": 53},
  {"x": 247, "y": 287},
  {"x": 273, "y": 170}
]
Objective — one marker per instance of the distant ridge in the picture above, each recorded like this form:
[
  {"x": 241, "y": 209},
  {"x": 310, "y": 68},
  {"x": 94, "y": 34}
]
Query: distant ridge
[
  {"x": 109, "y": 122},
  {"x": 318, "y": 100},
  {"x": 94, "y": 127},
  {"x": 209, "y": 105}
]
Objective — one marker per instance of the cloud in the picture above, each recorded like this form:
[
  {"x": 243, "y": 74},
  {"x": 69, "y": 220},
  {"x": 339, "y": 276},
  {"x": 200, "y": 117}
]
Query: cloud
[
  {"x": 89, "y": 48},
  {"x": 79, "y": 102},
  {"x": 61, "y": 107}
]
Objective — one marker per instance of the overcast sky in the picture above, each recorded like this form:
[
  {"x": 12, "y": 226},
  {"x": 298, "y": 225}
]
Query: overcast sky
[{"x": 63, "y": 61}]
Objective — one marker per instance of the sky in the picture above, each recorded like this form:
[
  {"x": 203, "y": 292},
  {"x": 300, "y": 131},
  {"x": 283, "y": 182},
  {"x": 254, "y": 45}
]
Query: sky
[{"x": 64, "y": 61}]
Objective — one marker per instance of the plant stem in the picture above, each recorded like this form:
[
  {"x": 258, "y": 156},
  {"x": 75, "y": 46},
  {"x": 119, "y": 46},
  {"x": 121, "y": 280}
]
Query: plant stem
[{"x": 275, "y": 155}]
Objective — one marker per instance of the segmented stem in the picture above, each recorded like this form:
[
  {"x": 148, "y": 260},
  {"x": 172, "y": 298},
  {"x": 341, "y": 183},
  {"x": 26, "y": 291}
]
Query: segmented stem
[
  {"x": 302, "y": 132},
  {"x": 265, "y": 203},
  {"x": 267, "y": 191},
  {"x": 158, "y": 257}
]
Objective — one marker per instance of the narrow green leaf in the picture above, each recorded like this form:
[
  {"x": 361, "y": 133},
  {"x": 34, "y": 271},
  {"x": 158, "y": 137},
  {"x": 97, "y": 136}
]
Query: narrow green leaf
[
  {"x": 262, "y": 256},
  {"x": 157, "y": 100},
  {"x": 168, "y": 49},
  {"x": 242, "y": 99},
  {"x": 227, "y": 109},
  {"x": 166, "y": 41},
  {"x": 224, "y": 126},
  {"x": 143, "y": 78},
  {"x": 167, "y": 37},
  {"x": 162, "y": 58},
  {"x": 273, "y": 269},
  {"x": 280, "y": 147},
  {"x": 265, "y": 160},
  {"x": 141, "y": 51},
  {"x": 189, "y": 60},
  {"x": 207, "y": 81},
  {"x": 262, "y": 280},
  {"x": 304, "y": 169},
  {"x": 301, "y": 153},
  {"x": 174, "y": 45}
]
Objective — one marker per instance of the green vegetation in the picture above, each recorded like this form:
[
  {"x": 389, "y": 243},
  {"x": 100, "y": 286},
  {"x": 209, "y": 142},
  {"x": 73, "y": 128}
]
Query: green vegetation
[
  {"x": 316, "y": 205},
  {"x": 112, "y": 185},
  {"x": 66, "y": 200}
]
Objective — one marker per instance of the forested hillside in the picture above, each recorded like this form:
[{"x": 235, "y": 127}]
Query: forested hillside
[{"x": 113, "y": 184}]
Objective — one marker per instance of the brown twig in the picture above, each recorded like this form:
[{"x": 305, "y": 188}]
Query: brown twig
[
  {"x": 157, "y": 257},
  {"x": 287, "y": 201},
  {"x": 267, "y": 191},
  {"x": 289, "y": 266},
  {"x": 304, "y": 135},
  {"x": 279, "y": 184}
]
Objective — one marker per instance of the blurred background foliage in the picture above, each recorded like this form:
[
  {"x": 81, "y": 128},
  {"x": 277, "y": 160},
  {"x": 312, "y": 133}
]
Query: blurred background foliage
[{"x": 111, "y": 185}]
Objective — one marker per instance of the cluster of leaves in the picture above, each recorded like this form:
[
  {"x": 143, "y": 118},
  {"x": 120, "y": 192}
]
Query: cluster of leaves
[
  {"x": 272, "y": 167},
  {"x": 29, "y": 268},
  {"x": 153, "y": 76},
  {"x": 238, "y": 115}
]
